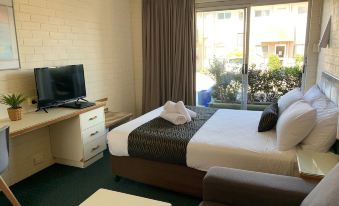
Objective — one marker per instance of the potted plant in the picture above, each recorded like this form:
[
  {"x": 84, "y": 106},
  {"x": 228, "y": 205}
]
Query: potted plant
[{"x": 14, "y": 101}]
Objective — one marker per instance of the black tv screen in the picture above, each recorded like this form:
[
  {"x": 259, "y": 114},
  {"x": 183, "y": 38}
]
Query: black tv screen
[{"x": 58, "y": 85}]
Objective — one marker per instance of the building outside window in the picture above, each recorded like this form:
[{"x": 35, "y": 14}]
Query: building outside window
[
  {"x": 261, "y": 13},
  {"x": 224, "y": 15}
]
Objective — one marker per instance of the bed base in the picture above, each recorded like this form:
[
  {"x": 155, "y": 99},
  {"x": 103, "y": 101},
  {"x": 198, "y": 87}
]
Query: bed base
[{"x": 173, "y": 177}]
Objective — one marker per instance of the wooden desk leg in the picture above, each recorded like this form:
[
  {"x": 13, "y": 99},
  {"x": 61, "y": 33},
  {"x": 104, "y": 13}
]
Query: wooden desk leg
[{"x": 8, "y": 193}]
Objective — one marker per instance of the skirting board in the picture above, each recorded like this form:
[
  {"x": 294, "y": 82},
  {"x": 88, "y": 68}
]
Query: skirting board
[{"x": 79, "y": 164}]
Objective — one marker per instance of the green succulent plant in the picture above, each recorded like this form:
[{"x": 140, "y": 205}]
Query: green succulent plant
[{"x": 12, "y": 100}]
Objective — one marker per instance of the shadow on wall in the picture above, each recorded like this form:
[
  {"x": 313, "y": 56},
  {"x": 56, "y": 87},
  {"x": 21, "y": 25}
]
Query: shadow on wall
[{"x": 17, "y": 81}]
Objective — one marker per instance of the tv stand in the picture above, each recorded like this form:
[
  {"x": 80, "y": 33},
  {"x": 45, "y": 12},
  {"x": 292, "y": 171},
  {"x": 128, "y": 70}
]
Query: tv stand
[
  {"x": 45, "y": 110},
  {"x": 78, "y": 104},
  {"x": 85, "y": 100}
]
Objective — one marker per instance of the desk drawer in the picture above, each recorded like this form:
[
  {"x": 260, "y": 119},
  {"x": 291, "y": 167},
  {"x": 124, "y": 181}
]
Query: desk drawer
[
  {"x": 93, "y": 133},
  {"x": 92, "y": 118},
  {"x": 93, "y": 148}
]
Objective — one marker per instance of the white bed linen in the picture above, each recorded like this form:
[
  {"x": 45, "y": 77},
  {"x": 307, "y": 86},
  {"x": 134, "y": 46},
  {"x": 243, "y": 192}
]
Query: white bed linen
[{"x": 229, "y": 138}]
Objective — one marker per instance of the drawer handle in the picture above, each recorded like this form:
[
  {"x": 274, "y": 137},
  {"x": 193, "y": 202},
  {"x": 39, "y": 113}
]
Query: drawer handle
[
  {"x": 94, "y": 133},
  {"x": 95, "y": 148},
  {"x": 93, "y": 118}
]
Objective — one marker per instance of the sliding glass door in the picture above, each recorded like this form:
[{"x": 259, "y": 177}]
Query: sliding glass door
[
  {"x": 248, "y": 57},
  {"x": 276, "y": 55},
  {"x": 220, "y": 57}
]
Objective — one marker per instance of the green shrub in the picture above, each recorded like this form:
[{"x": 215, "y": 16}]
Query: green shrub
[
  {"x": 272, "y": 83},
  {"x": 227, "y": 84},
  {"x": 217, "y": 68},
  {"x": 299, "y": 59},
  {"x": 274, "y": 62},
  {"x": 263, "y": 85}
]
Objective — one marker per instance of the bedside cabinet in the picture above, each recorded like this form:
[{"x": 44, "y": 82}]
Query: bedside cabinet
[
  {"x": 79, "y": 141},
  {"x": 315, "y": 165}
]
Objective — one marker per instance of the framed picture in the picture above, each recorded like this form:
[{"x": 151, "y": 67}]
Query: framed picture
[{"x": 9, "y": 58}]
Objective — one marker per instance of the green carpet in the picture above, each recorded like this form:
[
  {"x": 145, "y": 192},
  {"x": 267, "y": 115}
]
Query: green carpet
[{"x": 63, "y": 185}]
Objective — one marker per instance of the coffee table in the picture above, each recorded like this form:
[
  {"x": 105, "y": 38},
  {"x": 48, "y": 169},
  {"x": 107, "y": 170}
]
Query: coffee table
[{"x": 105, "y": 197}]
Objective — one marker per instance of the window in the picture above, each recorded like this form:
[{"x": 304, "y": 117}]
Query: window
[
  {"x": 221, "y": 16},
  {"x": 264, "y": 50},
  {"x": 275, "y": 42},
  {"x": 302, "y": 10},
  {"x": 224, "y": 15},
  {"x": 257, "y": 13},
  {"x": 241, "y": 16},
  {"x": 282, "y": 11},
  {"x": 260, "y": 13},
  {"x": 280, "y": 50}
]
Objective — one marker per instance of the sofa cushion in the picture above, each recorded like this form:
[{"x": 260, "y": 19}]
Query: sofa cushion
[
  {"x": 269, "y": 118},
  {"x": 326, "y": 192}
]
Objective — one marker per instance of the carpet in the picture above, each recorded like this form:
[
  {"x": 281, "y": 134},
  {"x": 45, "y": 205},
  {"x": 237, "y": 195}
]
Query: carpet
[{"x": 60, "y": 185}]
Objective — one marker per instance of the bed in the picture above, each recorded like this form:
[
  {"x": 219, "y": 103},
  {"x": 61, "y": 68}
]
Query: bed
[{"x": 228, "y": 138}]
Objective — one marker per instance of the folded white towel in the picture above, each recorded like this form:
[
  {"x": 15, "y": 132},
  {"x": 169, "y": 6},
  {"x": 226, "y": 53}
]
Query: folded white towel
[
  {"x": 191, "y": 113},
  {"x": 171, "y": 107},
  {"x": 181, "y": 109},
  {"x": 174, "y": 118}
]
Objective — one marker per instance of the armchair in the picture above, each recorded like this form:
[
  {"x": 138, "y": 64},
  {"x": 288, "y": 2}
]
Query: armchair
[
  {"x": 234, "y": 187},
  {"x": 4, "y": 157}
]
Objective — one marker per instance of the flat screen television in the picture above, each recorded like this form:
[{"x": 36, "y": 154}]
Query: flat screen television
[{"x": 59, "y": 85}]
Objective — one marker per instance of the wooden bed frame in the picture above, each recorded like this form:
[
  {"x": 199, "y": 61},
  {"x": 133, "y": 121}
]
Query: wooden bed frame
[
  {"x": 173, "y": 177},
  {"x": 183, "y": 179}
]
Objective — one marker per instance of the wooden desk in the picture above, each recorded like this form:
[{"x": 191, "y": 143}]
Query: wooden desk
[
  {"x": 35, "y": 120},
  {"x": 75, "y": 137},
  {"x": 315, "y": 165},
  {"x": 105, "y": 197}
]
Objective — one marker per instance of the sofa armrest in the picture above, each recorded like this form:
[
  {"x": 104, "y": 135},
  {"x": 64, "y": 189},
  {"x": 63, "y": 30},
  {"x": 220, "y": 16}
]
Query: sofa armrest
[{"x": 247, "y": 188}]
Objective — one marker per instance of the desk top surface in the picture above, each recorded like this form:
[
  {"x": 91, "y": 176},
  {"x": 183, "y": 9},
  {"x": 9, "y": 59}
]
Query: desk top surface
[{"x": 35, "y": 120}]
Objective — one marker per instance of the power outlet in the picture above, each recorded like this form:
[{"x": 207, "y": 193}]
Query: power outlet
[
  {"x": 31, "y": 100},
  {"x": 38, "y": 158}
]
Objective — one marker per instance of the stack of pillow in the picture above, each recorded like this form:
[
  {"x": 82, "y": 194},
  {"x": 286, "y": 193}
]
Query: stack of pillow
[{"x": 309, "y": 120}]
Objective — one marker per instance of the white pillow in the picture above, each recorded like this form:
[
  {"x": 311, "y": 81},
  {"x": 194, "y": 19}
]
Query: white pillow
[
  {"x": 289, "y": 98},
  {"x": 313, "y": 93},
  {"x": 295, "y": 124},
  {"x": 323, "y": 135}
]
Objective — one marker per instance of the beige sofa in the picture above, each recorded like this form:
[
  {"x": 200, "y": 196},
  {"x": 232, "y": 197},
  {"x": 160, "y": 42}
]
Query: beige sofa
[{"x": 233, "y": 187}]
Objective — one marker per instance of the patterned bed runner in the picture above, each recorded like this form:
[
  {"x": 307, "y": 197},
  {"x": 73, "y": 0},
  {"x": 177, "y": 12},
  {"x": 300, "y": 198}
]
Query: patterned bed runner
[{"x": 160, "y": 140}]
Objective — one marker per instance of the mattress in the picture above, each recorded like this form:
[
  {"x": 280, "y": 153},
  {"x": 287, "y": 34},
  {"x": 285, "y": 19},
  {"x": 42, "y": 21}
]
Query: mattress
[{"x": 229, "y": 138}]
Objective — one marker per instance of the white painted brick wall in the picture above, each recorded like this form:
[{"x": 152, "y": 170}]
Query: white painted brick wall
[
  {"x": 329, "y": 57},
  {"x": 96, "y": 33}
]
